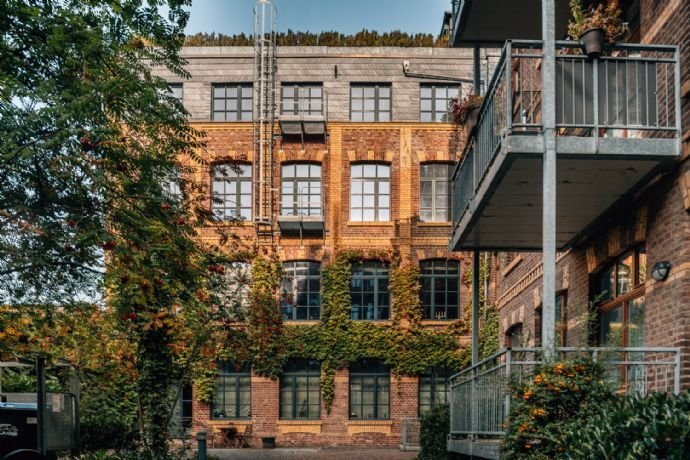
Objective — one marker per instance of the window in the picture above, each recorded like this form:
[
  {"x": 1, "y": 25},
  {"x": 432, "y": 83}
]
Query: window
[
  {"x": 370, "y": 102},
  {"x": 369, "y": 291},
  {"x": 435, "y": 102},
  {"x": 301, "y": 190},
  {"x": 369, "y": 390},
  {"x": 440, "y": 289},
  {"x": 434, "y": 197},
  {"x": 176, "y": 90},
  {"x": 232, "y": 397},
  {"x": 560, "y": 317},
  {"x": 434, "y": 388},
  {"x": 231, "y": 290},
  {"x": 619, "y": 288},
  {"x": 232, "y": 102},
  {"x": 370, "y": 193},
  {"x": 232, "y": 192},
  {"x": 514, "y": 336},
  {"x": 305, "y": 99},
  {"x": 301, "y": 291},
  {"x": 300, "y": 394}
]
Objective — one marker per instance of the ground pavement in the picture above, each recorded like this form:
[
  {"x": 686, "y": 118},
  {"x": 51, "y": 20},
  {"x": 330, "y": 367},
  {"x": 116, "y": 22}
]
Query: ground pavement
[{"x": 309, "y": 453}]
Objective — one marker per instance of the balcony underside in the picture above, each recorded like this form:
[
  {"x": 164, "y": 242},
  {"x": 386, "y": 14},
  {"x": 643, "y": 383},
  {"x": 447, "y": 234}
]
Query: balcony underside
[
  {"x": 593, "y": 175},
  {"x": 301, "y": 225}
]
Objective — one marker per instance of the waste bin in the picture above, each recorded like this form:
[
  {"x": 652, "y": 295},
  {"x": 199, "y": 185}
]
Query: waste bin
[{"x": 18, "y": 427}]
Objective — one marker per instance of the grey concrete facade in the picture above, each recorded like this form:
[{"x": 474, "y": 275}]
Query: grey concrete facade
[{"x": 335, "y": 67}]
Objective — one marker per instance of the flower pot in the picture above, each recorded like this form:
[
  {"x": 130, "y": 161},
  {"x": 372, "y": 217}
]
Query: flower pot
[
  {"x": 593, "y": 41},
  {"x": 268, "y": 443},
  {"x": 471, "y": 122}
]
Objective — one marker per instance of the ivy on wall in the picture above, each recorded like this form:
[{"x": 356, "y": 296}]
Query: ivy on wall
[{"x": 337, "y": 341}]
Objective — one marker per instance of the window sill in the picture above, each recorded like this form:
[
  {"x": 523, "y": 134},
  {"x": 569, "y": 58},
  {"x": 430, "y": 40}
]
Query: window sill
[
  {"x": 299, "y": 426},
  {"x": 434, "y": 224},
  {"x": 369, "y": 426},
  {"x": 227, "y": 421},
  {"x": 352, "y": 223},
  {"x": 438, "y": 322},
  {"x": 302, "y": 322}
]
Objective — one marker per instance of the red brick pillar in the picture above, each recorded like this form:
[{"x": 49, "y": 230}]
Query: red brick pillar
[
  {"x": 265, "y": 408},
  {"x": 404, "y": 403}
]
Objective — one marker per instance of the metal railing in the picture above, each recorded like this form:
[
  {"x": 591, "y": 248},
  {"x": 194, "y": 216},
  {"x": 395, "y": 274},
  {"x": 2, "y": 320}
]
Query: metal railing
[
  {"x": 481, "y": 396},
  {"x": 633, "y": 91}
]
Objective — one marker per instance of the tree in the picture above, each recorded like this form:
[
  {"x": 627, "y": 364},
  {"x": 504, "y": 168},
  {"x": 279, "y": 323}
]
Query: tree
[{"x": 90, "y": 140}]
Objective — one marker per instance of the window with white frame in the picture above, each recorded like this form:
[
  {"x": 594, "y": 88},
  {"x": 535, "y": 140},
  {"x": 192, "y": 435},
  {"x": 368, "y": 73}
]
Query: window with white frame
[
  {"x": 434, "y": 196},
  {"x": 301, "y": 190},
  {"x": 370, "y": 192},
  {"x": 232, "y": 192}
]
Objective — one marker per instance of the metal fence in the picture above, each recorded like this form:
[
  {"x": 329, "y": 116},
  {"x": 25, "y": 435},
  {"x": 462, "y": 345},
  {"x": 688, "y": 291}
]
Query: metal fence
[
  {"x": 481, "y": 396},
  {"x": 632, "y": 91},
  {"x": 60, "y": 421}
]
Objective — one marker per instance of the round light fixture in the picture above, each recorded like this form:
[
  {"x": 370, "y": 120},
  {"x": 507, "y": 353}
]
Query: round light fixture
[{"x": 660, "y": 270}]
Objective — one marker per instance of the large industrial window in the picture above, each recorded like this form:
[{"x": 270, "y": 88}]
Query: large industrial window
[
  {"x": 440, "y": 288},
  {"x": 370, "y": 192},
  {"x": 232, "y": 102},
  {"x": 232, "y": 397},
  {"x": 433, "y": 387},
  {"x": 176, "y": 90},
  {"x": 301, "y": 291},
  {"x": 231, "y": 290},
  {"x": 232, "y": 192},
  {"x": 369, "y": 291},
  {"x": 302, "y": 99},
  {"x": 301, "y": 190},
  {"x": 434, "y": 196},
  {"x": 435, "y": 102},
  {"x": 369, "y": 390},
  {"x": 300, "y": 391},
  {"x": 370, "y": 102}
]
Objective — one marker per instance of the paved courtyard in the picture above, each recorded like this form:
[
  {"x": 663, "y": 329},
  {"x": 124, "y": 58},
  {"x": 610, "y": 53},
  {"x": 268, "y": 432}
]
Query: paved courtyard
[{"x": 325, "y": 453}]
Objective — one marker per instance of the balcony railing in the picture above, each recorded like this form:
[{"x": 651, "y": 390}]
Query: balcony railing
[
  {"x": 481, "y": 397},
  {"x": 632, "y": 92}
]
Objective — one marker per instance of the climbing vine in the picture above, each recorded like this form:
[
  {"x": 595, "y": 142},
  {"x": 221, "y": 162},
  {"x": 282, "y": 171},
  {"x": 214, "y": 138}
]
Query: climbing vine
[{"x": 337, "y": 341}]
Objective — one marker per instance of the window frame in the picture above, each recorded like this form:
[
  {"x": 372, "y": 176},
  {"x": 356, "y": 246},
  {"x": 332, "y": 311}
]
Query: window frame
[
  {"x": 377, "y": 102},
  {"x": 297, "y": 209},
  {"x": 447, "y": 114},
  {"x": 239, "y": 98},
  {"x": 237, "y": 194},
  {"x": 223, "y": 372},
  {"x": 432, "y": 293},
  {"x": 297, "y": 98},
  {"x": 292, "y": 376},
  {"x": 377, "y": 181},
  {"x": 376, "y": 278},
  {"x": 173, "y": 87},
  {"x": 434, "y": 180},
  {"x": 380, "y": 373},
  {"x": 294, "y": 307},
  {"x": 433, "y": 374},
  {"x": 561, "y": 335}
]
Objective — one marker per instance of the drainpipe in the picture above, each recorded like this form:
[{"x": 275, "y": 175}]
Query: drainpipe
[{"x": 548, "y": 107}]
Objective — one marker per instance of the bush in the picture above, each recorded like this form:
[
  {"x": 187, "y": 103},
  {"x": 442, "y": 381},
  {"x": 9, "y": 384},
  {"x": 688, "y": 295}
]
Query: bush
[
  {"x": 655, "y": 426},
  {"x": 558, "y": 401},
  {"x": 435, "y": 426}
]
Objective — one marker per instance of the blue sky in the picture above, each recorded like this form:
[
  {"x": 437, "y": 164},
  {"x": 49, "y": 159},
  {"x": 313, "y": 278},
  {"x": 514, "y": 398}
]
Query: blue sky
[{"x": 346, "y": 16}]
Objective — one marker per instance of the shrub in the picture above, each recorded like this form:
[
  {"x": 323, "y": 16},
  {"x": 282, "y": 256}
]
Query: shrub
[
  {"x": 557, "y": 401},
  {"x": 435, "y": 426},
  {"x": 654, "y": 426}
]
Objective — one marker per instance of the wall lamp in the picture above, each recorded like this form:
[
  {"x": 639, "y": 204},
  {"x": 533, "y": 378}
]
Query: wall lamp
[{"x": 660, "y": 270}]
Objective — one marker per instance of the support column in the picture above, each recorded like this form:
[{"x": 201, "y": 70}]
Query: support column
[
  {"x": 475, "y": 307},
  {"x": 548, "y": 72},
  {"x": 475, "y": 253}
]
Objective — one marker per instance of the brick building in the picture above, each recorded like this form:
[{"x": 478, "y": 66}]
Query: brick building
[{"x": 362, "y": 152}]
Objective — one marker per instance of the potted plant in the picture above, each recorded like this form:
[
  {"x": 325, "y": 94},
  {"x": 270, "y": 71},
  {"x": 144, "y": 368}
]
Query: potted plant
[
  {"x": 595, "y": 26},
  {"x": 466, "y": 111}
]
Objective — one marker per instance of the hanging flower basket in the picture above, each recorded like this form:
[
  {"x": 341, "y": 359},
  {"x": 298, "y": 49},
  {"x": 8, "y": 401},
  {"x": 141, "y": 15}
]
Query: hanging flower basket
[
  {"x": 466, "y": 112},
  {"x": 593, "y": 41}
]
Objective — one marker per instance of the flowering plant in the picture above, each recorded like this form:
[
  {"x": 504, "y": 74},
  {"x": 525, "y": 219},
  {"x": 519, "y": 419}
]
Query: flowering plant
[
  {"x": 461, "y": 108},
  {"x": 606, "y": 16}
]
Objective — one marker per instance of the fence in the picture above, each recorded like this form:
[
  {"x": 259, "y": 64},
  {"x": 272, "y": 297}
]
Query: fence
[
  {"x": 480, "y": 395},
  {"x": 411, "y": 434}
]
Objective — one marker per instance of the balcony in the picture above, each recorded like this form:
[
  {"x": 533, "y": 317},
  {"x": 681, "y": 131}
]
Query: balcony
[
  {"x": 618, "y": 124},
  {"x": 303, "y": 117},
  {"x": 481, "y": 397},
  {"x": 302, "y": 218}
]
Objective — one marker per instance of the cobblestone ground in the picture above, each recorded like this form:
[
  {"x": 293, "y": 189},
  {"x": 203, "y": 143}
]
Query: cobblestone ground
[{"x": 325, "y": 453}]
